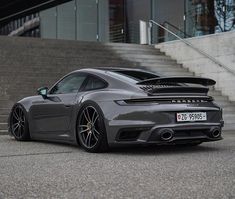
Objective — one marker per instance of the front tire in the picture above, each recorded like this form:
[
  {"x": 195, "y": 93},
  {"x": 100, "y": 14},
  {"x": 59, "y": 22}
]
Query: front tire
[
  {"x": 91, "y": 130},
  {"x": 19, "y": 126}
]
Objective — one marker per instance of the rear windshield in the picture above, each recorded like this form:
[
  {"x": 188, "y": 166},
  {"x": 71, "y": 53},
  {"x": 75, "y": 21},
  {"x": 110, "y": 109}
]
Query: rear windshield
[{"x": 136, "y": 75}]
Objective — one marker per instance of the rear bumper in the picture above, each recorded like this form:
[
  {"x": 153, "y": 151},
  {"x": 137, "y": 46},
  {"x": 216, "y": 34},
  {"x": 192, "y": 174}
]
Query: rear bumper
[
  {"x": 178, "y": 133},
  {"x": 128, "y": 125}
]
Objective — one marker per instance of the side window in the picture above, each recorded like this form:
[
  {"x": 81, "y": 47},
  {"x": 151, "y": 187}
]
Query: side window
[
  {"x": 70, "y": 84},
  {"x": 94, "y": 83}
]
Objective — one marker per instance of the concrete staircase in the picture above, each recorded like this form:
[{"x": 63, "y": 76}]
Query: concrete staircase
[
  {"x": 152, "y": 59},
  {"x": 27, "y": 64}
]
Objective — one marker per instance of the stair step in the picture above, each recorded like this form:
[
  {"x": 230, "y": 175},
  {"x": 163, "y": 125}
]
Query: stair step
[
  {"x": 144, "y": 56},
  {"x": 3, "y": 118},
  {"x": 229, "y": 121},
  {"x": 228, "y": 127},
  {"x": 220, "y": 98},
  {"x": 138, "y": 52},
  {"x": 215, "y": 92},
  {"x": 118, "y": 49},
  {"x": 228, "y": 110},
  {"x": 61, "y": 54},
  {"x": 161, "y": 65},
  {"x": 75, "y": 61},
  {"x": 128, "y": 45},
  {"x": 177, "y": 73},
  {"x": 149, "y": 60},
  {"x": 225, "y": 104},
  {"x": 167, "y": 69},
  {"x": 5, "y": 103},
  {"x": 4, "y": 132},
  {"x": 3, "y": 126},
  {"x": 4, "y": 111},
  {"x": 229, "y": 117}
]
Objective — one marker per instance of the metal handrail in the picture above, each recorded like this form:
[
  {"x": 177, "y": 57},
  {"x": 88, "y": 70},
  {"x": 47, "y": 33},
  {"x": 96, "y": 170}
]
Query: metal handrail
[
  {"x": 178, "y": 29},
  {"x": 26, "y": 10},
  {"x": 194, "y": 47}
]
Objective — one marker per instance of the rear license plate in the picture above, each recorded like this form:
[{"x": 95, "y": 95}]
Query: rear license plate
[{"x": 191, "y": 117}]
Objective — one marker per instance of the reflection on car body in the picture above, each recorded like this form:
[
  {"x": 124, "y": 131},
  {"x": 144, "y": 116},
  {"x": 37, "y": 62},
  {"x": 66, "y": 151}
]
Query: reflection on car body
[{"x": 104, "y": 107}]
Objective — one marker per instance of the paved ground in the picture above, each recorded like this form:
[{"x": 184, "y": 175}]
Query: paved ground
[{"x": 46, "y": 170}]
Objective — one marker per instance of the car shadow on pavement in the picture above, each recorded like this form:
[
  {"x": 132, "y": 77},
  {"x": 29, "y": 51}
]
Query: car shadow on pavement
[
  {"x": 139, "y": 150},
  {"x": 164, "y": 150}
]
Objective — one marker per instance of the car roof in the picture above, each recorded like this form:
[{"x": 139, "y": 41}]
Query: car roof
[
  {"x": 114, "y": 69},
  {"x": 120, "y": 68}
]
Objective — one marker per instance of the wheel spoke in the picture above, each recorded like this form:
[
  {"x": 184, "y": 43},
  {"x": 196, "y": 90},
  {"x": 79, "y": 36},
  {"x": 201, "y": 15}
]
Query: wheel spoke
[
  {"x": 23, "y": 118},
  {"x": 15, "y": 126},
  {"x": 86, "y": 117},
  {"x": 15, "y": 115},
  {"x": 22, "y": 125},
  {"x": 83, "y": 131},
  {"x": 19, "y": 131},
  {"x": 94, "y": 121},
  {"x": 20, "y": 114},
  {"x": 82, "y": 126},
  {"x": 88, "y": 140},
  {"x": 96, "y": 131},
  {"x": 87, "y": 127},
  {"x": 93, "y": 116},
  {"x": 94, "y": 135}
]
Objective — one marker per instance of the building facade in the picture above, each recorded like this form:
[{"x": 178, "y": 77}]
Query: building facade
[{"x": 117, "y": 20}]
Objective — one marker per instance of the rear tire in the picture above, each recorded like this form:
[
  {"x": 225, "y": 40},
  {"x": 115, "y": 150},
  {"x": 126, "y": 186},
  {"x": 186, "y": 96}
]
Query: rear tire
[
  {"x": 19, "y": 126},
  {"x": 91, "y": 132}
]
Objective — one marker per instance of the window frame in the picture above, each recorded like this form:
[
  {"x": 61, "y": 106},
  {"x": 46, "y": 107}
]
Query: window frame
[
  {"x": 60, "y": 80},
  {"x": 82, "y": 89}
]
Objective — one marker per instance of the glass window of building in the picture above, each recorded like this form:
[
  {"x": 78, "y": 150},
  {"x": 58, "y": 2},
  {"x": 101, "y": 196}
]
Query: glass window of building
[
  {"x": 66, "y": 14},
  {"x": 118, "y": 20}
]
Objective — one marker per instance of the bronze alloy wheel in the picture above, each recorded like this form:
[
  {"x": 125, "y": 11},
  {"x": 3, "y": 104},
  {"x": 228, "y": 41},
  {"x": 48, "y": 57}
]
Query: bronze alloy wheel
[
  {"x": 19, "y": 124},
  {"x": 91, "y": 130}
]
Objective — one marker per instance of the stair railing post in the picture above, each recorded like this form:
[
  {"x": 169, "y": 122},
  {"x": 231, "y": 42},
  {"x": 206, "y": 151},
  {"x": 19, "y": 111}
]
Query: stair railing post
[{"x": 150, "y": 33}]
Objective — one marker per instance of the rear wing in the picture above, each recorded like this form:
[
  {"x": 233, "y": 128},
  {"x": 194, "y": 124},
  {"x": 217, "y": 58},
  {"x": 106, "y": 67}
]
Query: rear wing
[{"x": 176, "y": 80}]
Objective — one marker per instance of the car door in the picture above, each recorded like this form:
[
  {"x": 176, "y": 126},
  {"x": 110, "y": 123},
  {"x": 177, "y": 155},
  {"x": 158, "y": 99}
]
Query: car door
[{"x": 51, "y": 116}]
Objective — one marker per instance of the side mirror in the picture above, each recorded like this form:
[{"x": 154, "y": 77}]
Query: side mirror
[{"x": 43, "y": 92}]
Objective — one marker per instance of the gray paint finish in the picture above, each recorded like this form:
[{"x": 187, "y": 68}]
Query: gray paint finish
[{"x": 55, "y": 118}]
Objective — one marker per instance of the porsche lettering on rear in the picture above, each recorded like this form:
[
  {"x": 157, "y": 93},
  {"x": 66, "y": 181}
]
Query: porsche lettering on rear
[{"x": 103, "y": 107}]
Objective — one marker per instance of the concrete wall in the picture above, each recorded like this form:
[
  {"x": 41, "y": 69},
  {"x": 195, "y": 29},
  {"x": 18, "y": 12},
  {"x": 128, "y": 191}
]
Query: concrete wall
[{"x": 221, "y": 46}]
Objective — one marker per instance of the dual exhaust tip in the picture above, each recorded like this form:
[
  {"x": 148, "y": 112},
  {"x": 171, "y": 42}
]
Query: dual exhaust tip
[
  {"x": 168, "y": 134},
  {"x": 215, "y": 133}
]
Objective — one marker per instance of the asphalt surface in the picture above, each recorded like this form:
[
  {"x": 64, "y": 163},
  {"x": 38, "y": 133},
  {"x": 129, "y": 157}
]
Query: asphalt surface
[{"x": 48, "y": 170}]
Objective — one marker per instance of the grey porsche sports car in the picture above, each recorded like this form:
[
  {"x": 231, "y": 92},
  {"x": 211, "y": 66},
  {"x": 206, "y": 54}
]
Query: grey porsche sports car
[{"x": 104, "y": 107}]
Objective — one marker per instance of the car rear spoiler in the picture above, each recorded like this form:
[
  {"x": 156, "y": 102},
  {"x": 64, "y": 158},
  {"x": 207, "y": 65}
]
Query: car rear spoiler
[{"x": 169, "y": 80}]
